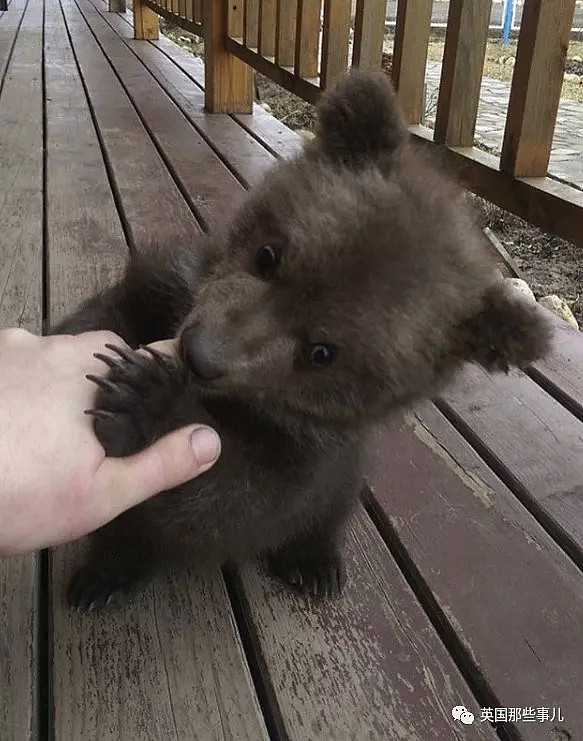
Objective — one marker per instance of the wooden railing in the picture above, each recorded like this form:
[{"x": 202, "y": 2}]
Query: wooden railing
[{"x": 305, "y": 45}]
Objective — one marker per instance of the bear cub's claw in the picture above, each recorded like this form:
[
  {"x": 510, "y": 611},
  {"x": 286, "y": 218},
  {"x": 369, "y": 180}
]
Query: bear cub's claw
[
  {"x": 133, "y": 396},
  {"x": 92, "y": 589},
  {"x": 316, "y": 578}
]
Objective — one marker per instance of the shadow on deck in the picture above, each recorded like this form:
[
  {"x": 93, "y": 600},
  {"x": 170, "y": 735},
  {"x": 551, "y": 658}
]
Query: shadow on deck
[{"x": 465, "y": 561}]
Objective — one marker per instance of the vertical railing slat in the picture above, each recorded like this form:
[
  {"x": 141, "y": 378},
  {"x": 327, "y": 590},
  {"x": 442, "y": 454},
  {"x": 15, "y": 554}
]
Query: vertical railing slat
[
  {"x": 335, "y": 40},
  {"x": 412, "y": 30},
  {"x": 308, "y": 38},
  {"x": 251, "y": 29},
  {"x": 536, "y": 86},
  {"x": 267, "y": 21},
  {"x": 369, "y": 33},
  {"x": 235, "y": 18},
  {"x": 461, "y": 72},
  {"x": 197, "y": 10},
  {"x": 285, "y": 48}
]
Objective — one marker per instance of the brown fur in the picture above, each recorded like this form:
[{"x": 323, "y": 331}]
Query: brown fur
[{"x": 379, "y": 258}]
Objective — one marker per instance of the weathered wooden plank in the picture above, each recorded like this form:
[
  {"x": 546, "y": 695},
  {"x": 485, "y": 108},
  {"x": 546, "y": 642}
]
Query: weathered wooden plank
[
  {"x": 21, "y": 142},
  {"x": 19, "y": 650},
  {"x": 531, "y": 440},
  {"x": 117, "y": 6},
  {"x": 167, "y": 666},
  {"x": 86, "y": 246},
  {"x": 146, "y": 24},
  {"x": 369, "y": 33},
  {"x": 561, "y": 372},
  {"x": 536, "y": 86},
  {"x": 8, "y": 31},
  {"x": 461, "y": 72},
  {"x": 228, "y": 80},
  {"x": 207, "y": 184},
  {"x": 335, "y": 38},
  {"x": 308, "y": 38},
  {"x": 512, "y": 598},
  {"x": 197, "y": 11},
  {"x": 267, "y": 23},
  {"x": 170, "y": 666},
  {"x": 365, "y": 666},
  {"x": 285, "y": 47},
  {"x": 141, "y": 176},
  {"x": 21, "y": 196},
  {"x": 271, "y": 133},
  {"x": 176, "y": 70},
  {"x": 251, "y": 25},
  {"x": 412, "y": 27}
]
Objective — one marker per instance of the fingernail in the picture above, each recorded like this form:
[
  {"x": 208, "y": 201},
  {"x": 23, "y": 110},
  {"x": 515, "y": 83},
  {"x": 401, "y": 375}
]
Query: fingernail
[{"x": 206, "y": 445}]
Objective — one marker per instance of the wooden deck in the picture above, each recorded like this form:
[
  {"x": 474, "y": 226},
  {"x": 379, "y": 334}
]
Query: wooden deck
[{"x": 465, "y": 583}]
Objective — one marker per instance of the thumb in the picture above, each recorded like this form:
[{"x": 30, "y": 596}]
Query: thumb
[{"x": 121, "y": 483}]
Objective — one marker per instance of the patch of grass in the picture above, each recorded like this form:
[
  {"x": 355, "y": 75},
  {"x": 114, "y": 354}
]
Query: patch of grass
[{"x": 496, "y": 63}]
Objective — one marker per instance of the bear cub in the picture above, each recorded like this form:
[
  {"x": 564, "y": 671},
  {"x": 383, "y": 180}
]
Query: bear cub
[{"x": 351, "y": 282}]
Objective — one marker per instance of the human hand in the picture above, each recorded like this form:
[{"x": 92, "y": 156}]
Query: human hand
[{"x": 55, "y": 482}]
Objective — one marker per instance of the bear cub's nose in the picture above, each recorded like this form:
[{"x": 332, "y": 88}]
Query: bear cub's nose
[{"x": 201, "y": 354}]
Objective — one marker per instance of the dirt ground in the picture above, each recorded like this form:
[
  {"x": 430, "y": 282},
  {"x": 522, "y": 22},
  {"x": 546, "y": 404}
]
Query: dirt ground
[{"x": 547, "y": 263}]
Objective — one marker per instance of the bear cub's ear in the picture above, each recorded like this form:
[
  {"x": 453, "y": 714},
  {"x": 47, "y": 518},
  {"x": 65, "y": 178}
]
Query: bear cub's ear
[
  {"x": 360, "y": 120},
  {"x": 507, "y": 331}
]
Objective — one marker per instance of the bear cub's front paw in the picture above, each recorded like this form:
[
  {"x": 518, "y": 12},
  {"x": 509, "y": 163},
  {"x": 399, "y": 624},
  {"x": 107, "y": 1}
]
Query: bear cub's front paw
[{"x": 133, "y": 397}]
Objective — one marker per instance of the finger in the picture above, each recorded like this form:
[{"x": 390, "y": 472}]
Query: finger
[
  {"x": 17, "y": 337},
  {"x": 169, "y": 347},
  {"x": 98, "y": 340},
  {"x": 121, "y": 483}
]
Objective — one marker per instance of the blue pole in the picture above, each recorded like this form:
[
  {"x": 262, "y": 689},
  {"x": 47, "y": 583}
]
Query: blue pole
[{"x": 507, "y": 20}]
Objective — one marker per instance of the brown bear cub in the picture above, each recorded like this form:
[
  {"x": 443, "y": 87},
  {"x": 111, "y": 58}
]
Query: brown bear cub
[{"x": 352, "y": 281}]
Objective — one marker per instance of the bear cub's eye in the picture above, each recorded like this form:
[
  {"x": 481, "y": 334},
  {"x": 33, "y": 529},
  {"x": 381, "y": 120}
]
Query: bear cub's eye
[
  {"x": 322, "y": 355},
  {"x": 266, "y": 261}
]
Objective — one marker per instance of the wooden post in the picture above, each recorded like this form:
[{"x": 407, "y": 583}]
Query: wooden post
[
  {"x": 461, "y": 72},
  {"x": 536, "y": 86},
  {"x": 115, "y": 6},
  {"x": 228, "y": 80},
  {"x": 412, "y": 29},
  {"x": 145, "y": 21}
]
